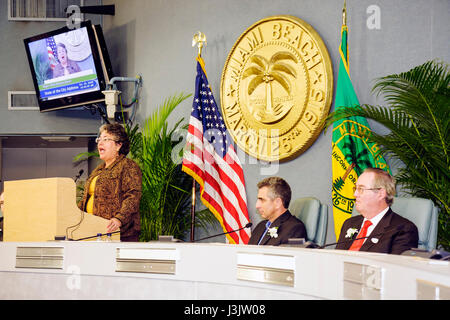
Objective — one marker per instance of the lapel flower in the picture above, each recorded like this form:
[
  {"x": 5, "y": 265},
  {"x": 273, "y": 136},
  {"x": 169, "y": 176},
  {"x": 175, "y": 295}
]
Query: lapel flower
[
  {"x": 273, "y": 232},
  {"x": 351, "y": 232}
]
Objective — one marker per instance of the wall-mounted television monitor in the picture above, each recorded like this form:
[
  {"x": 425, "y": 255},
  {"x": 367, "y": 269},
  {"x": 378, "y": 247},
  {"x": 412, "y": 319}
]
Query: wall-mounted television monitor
[{"x": 69, "y": 67}]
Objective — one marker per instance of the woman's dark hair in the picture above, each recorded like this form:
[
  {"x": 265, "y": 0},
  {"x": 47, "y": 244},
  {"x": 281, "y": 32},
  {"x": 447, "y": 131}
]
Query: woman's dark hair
[
  {"x": 118, "y": 132},
  {"x": 62, "y": 45}
]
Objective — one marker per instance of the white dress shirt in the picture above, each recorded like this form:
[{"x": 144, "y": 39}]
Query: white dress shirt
[{"x": 375, "y": 220}]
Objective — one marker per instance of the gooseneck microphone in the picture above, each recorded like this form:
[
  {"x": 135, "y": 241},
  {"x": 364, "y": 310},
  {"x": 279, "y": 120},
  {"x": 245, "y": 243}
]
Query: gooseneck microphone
[
  {"x": 78, "y": 175},
  {"x": 248, "y": 225},
  {"x": 373, "y": 237},
  {"x": 96, "y": 236},
  {"x": 349, "y": 240}
]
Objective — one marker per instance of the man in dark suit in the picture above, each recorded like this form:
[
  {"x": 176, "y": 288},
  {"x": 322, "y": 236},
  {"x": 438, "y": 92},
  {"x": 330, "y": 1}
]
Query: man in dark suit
[
  {"x": 391, "y": 233},
  {"x": 279, "y": 225}
]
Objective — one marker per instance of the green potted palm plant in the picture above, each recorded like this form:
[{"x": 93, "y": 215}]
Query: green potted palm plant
[
  {"x": 166, "y": 191},
  {"x": 418, "y": 120}
]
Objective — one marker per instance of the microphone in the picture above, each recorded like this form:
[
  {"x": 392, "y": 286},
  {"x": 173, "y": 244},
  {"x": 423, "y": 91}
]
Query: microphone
[
  {"x": 92, "y": 237},
  {"x": 78, "y": 175},
  {"x": 248, "y": 225},
  {"x": 373, "y": 236}
]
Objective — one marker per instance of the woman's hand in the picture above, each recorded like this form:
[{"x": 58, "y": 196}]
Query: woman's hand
[{"x": 113, "y": 225}]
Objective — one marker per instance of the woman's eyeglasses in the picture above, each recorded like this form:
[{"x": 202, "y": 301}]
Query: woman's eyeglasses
[{"x": 104, "y": 140}]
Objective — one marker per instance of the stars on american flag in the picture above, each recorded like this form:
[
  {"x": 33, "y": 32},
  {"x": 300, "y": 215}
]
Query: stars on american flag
[{"x": 206, "y": 110}]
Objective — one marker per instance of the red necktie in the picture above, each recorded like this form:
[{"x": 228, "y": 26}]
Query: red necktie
[{"x": 356, "y": 245}]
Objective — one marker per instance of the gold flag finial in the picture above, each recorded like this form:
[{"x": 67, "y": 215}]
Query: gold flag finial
[
  {"x": 199, "y": 39},
  {"x": 344, "y": 13}
]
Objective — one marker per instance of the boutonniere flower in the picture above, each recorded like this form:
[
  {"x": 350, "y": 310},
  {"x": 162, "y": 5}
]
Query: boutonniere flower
[
  {"x": 273, "y": 232},
  {"x": 351, "y": 232}
]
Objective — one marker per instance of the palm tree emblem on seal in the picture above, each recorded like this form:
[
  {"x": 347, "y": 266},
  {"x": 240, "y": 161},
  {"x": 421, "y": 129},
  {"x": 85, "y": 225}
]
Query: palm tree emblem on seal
[{"x": 265, "y": 72}]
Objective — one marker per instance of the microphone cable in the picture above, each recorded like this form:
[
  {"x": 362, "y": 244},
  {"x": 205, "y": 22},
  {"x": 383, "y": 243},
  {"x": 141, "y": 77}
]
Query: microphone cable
[{"x": 75, "y": 226}]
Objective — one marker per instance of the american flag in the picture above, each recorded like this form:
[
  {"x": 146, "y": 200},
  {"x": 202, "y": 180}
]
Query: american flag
[
  {"x": 210, "y": 158},
  {"x": 51, "y": 49}
]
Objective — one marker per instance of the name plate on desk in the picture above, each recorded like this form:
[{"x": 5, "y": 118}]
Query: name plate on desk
[
  {"x": 362, "y": 281},
  {"x": 266, "y": 268},
  {"x": 145, "y": 260},
  {"x": 40, "y": 257}
]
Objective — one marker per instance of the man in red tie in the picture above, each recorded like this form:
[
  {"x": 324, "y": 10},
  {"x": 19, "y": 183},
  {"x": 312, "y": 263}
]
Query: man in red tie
[{"x": 387, "y": 231}]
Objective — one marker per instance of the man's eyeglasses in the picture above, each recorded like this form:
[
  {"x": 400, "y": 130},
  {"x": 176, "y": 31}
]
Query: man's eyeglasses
[
  {"x": 104, "y": 140},
  {"x": 362, "y": 189}
]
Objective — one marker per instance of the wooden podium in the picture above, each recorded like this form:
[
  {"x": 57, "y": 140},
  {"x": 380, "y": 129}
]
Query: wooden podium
[{"x": 40, "y": 209}]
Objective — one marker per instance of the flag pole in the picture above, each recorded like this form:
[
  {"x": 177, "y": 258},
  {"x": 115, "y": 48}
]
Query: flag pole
[
  {"x": 344, "y": 14},
  {"x": 199, "y": 39},
  {"x": 193, "y": 211}
]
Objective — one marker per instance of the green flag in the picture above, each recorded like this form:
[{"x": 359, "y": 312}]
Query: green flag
[{"x": 351, "y": 150}]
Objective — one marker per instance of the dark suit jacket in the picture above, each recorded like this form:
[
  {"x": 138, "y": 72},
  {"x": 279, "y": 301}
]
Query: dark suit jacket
[
  {"x": 288, "y": 227},
  {"x": 395, "y": 234},
  {"x": 117, "y": 194}
]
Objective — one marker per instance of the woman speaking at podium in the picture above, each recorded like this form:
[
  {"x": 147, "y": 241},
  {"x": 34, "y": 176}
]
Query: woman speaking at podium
[{"x": 113, "y": 189}]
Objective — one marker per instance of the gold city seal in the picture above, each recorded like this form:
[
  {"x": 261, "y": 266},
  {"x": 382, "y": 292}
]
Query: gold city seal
[{"x": 276, "y": 88}]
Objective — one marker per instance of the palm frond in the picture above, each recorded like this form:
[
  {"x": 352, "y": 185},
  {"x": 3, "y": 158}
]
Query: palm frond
[
  {"x": 254, "y": 83},
  {"x": 155, "y": 123},
  {"x": 284, "y": 67},
  {"x": 417, "y": 92},
  {"x": 260, "y": 61},
  {"x": 252, "y": 71},
  {"x": 282, "y": 55},
  {"x": 85, "y": 155}
]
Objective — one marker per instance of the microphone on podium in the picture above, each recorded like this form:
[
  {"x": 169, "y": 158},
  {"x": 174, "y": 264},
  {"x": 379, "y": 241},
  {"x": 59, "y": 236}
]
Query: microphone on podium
[
  {"x": 92, "y": 237},
  {"x": 248, "y": 225}
]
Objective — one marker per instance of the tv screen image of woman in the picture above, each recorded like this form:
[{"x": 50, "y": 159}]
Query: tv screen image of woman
[{"x": 64, "y": 65}]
